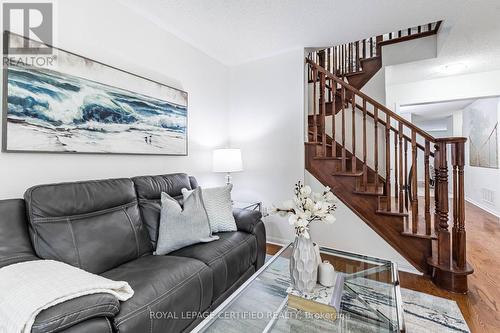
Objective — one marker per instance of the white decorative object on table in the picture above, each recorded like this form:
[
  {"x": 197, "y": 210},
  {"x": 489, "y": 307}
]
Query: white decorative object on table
[
  {"x": 326, "y": 274},
  {"x": 304, "y": 208}
]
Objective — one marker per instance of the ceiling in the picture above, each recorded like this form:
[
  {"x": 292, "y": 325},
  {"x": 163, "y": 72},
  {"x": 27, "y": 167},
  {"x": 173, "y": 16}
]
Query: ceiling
[
  {"x": 437, "y": 110},
  {"x": 239, "y": 31}
]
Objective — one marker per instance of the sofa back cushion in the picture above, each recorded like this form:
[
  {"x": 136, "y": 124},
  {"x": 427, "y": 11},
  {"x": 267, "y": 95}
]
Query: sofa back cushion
[
  {"x": 93, "y": 225},
  {"x": 15, "y": 244},
  {"x": 149, "y": 189}
]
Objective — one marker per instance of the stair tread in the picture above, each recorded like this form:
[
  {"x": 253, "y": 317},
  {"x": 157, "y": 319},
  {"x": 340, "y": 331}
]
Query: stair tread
[
  {"x": 327, "y": 158},
  {"x": 419, "y": 235},
  {"x": 369, "y": 189},
  {"x": 348, "y": 173},
  {"x": 394, "y": 211}
]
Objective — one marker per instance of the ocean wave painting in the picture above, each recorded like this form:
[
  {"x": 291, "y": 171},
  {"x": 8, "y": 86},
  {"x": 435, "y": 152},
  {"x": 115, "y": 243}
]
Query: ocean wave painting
[{"x": 51, "y": 111}]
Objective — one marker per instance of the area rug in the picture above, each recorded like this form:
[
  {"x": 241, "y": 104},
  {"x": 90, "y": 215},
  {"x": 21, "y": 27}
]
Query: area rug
[{"x": 422, "y": 312}]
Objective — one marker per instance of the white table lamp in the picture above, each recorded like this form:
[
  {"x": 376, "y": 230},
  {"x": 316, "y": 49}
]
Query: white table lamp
[{"x": 227, "y": 160}]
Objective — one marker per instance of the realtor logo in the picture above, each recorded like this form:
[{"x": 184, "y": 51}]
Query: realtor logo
[{"x": 34, "y": 21}]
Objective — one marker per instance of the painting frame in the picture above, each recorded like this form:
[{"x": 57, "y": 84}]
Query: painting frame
[{"x": 5, "y": 110}]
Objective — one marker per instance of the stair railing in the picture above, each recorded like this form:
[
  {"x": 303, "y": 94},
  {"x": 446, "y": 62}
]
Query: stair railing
[
  {"x": 342, "y": 60},
  {"x": 403, "y": 147}
]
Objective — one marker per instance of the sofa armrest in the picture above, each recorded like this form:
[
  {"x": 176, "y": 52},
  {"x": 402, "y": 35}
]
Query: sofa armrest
[
  {"x": 250, "y": 221},
  {"x": 246, "y": 219},
  {"x": 67, "y": 314}
]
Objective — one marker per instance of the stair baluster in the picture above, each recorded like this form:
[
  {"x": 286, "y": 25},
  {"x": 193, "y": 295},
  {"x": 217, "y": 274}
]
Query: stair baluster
[
  {"x": 401, "y": 178},
  {"x": 334, "y": 100},
  {"x": 322, "y": 111},
  {"x": 375, "y": 150},
  {"x": 427, "y": 188},
  {"x": 414, "y": 184},
  {"x": 344, "y": 156},
  {"x": 443, "y": 232},
  {"x": 365, "y": 166},
  {"x": 388, "y": 160},
  {"x": 353, "y": 132}
]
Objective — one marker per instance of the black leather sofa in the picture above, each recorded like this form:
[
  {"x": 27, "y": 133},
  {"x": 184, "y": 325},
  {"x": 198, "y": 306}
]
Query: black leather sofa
[{"x": 109, "y": 227}]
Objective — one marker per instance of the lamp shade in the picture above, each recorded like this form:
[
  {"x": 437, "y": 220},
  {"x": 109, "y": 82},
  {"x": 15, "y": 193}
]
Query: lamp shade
[{"x": 227, "y": 160}]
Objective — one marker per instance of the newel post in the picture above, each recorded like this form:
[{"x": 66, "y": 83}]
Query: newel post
[{"x": 442, "y": 208}]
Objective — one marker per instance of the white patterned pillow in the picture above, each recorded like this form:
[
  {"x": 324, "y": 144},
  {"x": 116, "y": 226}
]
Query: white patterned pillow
[
  {"x": 182, "y": 226},
  {"x": 217, "y": 201}
]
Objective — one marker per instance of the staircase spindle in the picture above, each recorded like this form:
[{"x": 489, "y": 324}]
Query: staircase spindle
[
  {"x": 334, "y": 69},
  {"x": 350, "y": 58},
  {"x": 414, "y": 184},
  {"x": 358, "y": 67},
  {"x": 454, "y": 177},
  {"x": 322, "y": 112},
  {"x": 406, "y": 174},
  {"x": 334, "y": 108},
  {"x": 396, "y": 175},
  {"x": 353, "y": 130},
  {"x": 427, "y": 188},
  {"x": 343, "y": 131},
  {"x": 364, "y": 48},
  {"x": 401, "y": 177},
  {"x": 315, "y": 119},
  {"x": 328, "y": 62},
  {"x": 388, "y": 160},
  {"x": 436, "y": 189},
  {"x": 371, "y": 47},
  {"x": 375, "y": 151},
  {"x": 365, "y": 166},
  {"x": 442, "y": 213}
]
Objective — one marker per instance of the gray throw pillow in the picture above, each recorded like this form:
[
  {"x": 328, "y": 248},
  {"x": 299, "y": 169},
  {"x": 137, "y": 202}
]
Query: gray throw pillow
[
  {"x": 217, "y": 201},
  {"x": 182, "y": 227}
]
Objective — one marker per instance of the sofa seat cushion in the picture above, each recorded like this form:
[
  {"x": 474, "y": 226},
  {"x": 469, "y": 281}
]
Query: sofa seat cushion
[
  {"x": 229, "y": 257},
  {"x": 166, "y": 288}
]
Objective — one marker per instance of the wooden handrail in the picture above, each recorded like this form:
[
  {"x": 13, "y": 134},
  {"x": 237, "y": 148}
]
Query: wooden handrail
[{"x": 373, "y": 102}]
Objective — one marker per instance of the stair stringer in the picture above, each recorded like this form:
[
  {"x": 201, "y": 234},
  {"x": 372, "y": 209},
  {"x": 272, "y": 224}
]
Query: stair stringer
[{"x": 390, "y": 228}]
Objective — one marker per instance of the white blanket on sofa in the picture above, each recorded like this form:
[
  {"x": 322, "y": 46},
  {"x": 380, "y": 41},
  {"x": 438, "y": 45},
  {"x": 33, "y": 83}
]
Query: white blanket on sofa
[{"x": 27, "y": 288}]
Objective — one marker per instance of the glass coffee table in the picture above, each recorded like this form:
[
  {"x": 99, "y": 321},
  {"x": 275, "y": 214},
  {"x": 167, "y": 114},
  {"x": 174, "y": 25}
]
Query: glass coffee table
[{"x": 371, "y": 299}]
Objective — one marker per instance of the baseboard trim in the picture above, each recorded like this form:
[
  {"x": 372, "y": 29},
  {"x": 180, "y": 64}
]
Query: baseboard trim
[{"x": 478, "y": 205}]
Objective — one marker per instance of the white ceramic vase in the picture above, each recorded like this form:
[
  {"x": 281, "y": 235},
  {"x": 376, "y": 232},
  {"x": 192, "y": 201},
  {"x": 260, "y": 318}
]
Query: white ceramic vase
[{"x": 303, "y": 265}]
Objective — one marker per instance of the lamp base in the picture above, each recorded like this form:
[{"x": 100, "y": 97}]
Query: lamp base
[{"x": 228, "y": 178}]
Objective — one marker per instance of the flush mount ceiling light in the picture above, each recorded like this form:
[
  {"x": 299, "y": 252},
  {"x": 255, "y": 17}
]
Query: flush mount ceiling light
[{"x": 453, "y": 68}]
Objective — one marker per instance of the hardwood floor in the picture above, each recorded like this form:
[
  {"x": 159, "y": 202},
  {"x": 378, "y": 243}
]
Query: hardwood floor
[{"x": 481, "y": 306}]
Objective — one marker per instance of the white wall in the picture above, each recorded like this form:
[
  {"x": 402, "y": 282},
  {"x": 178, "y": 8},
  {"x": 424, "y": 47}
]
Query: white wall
[
  {"x": 396, "y": 54},
  {"x": 477, "y": 178},
  {"x": 267, "y": 123},
  {"x": 113, "y": 34}
]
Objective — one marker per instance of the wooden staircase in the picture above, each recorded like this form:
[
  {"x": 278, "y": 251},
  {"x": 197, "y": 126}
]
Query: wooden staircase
[
  {"x": 370, "y": 157},
  {"x": 357, "y": 62}
]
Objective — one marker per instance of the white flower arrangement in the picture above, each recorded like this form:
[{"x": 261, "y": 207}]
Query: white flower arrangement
[{"x": 306, "y": 207}]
